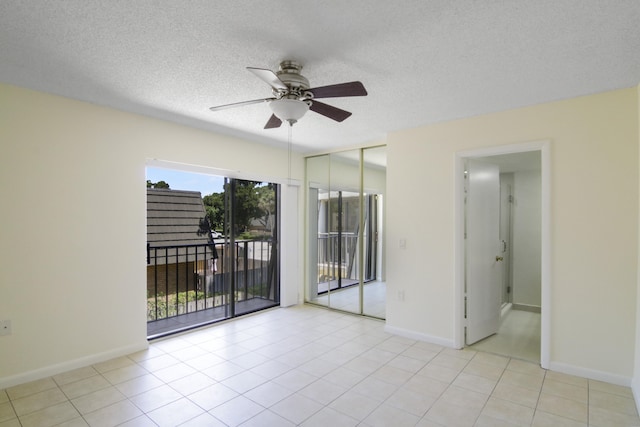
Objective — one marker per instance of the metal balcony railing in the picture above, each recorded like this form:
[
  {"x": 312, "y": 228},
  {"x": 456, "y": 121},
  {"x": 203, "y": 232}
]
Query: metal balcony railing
[
  {"x": 185, "y": 279},
  {"x": 336, "y": 256}
]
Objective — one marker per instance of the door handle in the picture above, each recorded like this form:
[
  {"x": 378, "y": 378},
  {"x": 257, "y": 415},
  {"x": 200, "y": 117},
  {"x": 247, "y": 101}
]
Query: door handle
[{"x": 499, "y": 258}]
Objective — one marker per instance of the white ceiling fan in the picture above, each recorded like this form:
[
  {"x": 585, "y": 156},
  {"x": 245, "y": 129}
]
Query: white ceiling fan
[{"x": 292, "y": 96}]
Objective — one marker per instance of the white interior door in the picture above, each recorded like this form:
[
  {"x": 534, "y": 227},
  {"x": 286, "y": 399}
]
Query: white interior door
[{"x": 483, "y": 254}]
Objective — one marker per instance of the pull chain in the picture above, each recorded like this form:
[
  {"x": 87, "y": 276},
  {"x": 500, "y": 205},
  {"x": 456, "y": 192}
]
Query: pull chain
[{"x": 289, "y": 152}]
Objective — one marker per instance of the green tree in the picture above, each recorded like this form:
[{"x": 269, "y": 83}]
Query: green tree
[
  {"x": 253, "y": 201},
  {"x": 159, "y": 184},
  {"x": 247, "y": 204},
  {"x": 214, "y": 207},
  {"x": 266, "y": 205}
]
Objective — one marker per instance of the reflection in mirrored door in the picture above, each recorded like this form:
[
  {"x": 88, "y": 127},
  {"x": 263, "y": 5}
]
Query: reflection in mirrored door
[
  {"x": 345, "y": 230},
  {"x": 374, "y": 164},
  {"x": 345, "y": 250},
  {"x": 320, "y": 266}
]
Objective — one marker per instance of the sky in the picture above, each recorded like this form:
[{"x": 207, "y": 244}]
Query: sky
[{"x": 190, "y": 181}]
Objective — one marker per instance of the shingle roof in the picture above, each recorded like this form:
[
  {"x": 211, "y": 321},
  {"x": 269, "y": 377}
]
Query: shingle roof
[{"x": 176, "y": 217}]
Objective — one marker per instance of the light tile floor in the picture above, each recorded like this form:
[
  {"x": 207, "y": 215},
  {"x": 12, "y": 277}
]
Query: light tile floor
[
  {"x": 518, "y": 336},
  {"x": 313, "y": 367}
]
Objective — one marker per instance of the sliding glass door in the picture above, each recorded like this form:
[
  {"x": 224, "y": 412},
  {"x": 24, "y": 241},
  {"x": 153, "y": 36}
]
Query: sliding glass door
[
  {"x": 210, "y": 256},
  {"x": 250, "y": 246}
]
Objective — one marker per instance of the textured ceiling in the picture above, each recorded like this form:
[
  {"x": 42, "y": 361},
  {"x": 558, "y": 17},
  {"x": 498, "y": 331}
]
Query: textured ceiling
[{"x": 422, "y": 61}]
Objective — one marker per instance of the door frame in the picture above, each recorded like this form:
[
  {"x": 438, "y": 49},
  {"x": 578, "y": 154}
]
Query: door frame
[{"x": 459, "y": 243}]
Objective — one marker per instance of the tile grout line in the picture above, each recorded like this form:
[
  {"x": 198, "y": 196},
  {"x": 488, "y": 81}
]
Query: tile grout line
[
  {"x": 494, "y": 388},
  {"x": 535, "y": 410},
  {"x": 588, "y": 401}
]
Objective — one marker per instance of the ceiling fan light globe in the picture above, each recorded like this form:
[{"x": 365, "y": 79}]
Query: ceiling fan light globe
[{"x": 289, "y": 110}]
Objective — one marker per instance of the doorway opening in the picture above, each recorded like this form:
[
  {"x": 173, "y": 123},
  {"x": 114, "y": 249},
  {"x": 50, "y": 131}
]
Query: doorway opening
[{"x": 502, "y": 251}]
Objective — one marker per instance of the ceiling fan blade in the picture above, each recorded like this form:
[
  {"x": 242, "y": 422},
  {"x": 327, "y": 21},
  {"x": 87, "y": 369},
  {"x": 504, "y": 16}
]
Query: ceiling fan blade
[
  {"x": 339, "y": 90},
  {"x": 273, "y": 122},
  {"x": 269, "y": 77},
  {"x": 329, "y": 111},
  {"x": 240, "y": 104}
]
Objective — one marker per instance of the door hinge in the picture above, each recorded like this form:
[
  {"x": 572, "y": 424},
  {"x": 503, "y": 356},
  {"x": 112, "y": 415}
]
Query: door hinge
[
  {"x": 465, "y": 307},
  {"x": 508, "y": 289},
  {"x": 510, "y": 198}
]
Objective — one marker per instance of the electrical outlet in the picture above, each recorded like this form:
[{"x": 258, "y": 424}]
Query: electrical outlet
[{"x": 5, "y": 327}]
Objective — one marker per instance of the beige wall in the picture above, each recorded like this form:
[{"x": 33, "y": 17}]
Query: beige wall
[
  {"x": 72, "y": 182},
  {"x": 526, "y": 243},
  {"x": 594, "y": 223}
]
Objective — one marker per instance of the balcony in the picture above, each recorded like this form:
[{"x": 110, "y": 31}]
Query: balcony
[{"x": 187, "y": 288}]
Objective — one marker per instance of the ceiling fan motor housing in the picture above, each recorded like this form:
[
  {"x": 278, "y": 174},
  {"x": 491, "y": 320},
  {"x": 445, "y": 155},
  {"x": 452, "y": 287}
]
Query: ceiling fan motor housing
[{"x": 289, "y": 74}]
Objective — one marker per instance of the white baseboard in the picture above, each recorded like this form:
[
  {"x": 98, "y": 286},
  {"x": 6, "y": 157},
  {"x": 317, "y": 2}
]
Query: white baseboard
[
  {"x": 527, "y": 307},
  {"x": 445, "y": 342},
  {"x": 592, "y": 374},
  {"x": 48, "y": 371}
]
